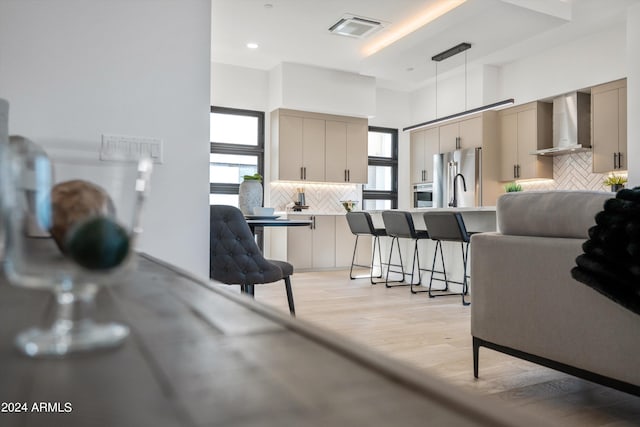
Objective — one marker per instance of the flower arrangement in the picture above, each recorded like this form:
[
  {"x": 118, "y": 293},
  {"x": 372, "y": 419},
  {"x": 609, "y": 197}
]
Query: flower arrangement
[
  {"x": 512, "y": 187},
  {"x": 614, "y": 179}
]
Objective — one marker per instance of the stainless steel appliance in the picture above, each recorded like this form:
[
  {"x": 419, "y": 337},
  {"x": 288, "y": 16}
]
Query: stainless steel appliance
[
  {"x": 423, "y": 195},
  {"x": 452, "y": 172}
]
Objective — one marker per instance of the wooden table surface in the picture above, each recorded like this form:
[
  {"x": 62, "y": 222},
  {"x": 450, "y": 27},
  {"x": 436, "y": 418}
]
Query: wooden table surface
[{"x": 199, "y": 355}]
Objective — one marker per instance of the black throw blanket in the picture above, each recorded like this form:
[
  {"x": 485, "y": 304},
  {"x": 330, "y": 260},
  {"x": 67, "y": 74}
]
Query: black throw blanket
[{"x": 611, "y": 260}]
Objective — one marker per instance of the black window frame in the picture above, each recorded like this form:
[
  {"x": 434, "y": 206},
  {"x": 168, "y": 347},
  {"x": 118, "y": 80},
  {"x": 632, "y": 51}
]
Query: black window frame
[
  {"x": 247, "y": 150},
  {"x": 385, "y": 161}
]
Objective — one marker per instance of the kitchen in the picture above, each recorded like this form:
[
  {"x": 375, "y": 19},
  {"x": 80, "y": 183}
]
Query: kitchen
[{"x": 401, "y": 109}]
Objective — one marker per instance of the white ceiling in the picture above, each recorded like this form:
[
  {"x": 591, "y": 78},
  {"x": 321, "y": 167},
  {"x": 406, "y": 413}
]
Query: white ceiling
[{"x": 499, "y": 31}]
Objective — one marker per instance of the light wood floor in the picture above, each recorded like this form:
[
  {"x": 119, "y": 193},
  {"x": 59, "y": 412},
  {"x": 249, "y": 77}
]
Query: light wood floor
[{"x": 433, "y": 334}]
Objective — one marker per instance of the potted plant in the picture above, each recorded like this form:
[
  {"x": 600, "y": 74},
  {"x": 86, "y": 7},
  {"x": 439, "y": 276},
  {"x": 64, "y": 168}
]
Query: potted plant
[
  {"x": 512, "y": 187},
  {"x": 250, "y": 193},
  {"x": 616, "y": 182}
]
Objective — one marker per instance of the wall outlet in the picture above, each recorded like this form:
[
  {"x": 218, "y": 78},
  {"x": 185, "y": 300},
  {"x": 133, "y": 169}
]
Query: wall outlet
[{"x": 125, "y": 148}]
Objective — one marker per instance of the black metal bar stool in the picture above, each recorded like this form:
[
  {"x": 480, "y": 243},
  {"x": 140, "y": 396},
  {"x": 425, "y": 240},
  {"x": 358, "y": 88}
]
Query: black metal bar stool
[
  {"x": 399, "y": 225},
  {"x": 448, "y": 227},
  {"x": 361, "y": 224}
]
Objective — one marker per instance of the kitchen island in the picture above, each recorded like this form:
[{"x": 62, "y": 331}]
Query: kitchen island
[{"x": 476, "y": 219}]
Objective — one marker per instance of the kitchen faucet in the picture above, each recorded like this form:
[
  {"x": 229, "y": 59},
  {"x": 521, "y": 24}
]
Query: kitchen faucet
[{"x": 454, "y": 203}]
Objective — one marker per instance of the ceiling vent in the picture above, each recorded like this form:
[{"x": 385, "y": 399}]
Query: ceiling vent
[{"x": 355, "y": 26}]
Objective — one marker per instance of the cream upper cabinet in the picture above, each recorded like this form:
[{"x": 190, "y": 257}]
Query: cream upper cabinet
[
  {"x": 318, "y": 147},
  {"x": 522, "y": 130},
  {"x": 461, "y": 134},
  {"x": 609, "y": 126},
  {"x": 424, "y": 144},
  {"x": 301, "y": 148},
  {"x": 346, "y": 151}
]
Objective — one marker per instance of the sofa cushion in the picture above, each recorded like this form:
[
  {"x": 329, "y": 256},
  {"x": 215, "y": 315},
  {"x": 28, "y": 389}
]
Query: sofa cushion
[{"x": 557, "y": 213}]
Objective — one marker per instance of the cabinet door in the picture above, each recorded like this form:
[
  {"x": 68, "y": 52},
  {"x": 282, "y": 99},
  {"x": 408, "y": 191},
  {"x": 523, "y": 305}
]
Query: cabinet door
[
  {"x": 527, "y": 142},
  {"x": 605, "y": 133},
  {"x": 508, "y": 145},
  {"x": 622, "y": 127},
  {"x": 357, "y": 152},
  {"x": 431, "y": 147},
  {"x": 313, "y": 137},
  {"x": 336, "y": 151},
  {"x": 448, "y": 135},
  {"x": 345, "y": 241},
  {"x": 299, "y": 248},
  {"x": 471, "y": 133},
  {"x": 290, "y": 148},
  {"x": 417, "y": 156},
  {"x": 324, "y": 242}
]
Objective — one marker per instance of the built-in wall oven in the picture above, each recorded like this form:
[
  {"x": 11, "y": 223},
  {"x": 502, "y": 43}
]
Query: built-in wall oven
[{"x": 423, "y": 195}]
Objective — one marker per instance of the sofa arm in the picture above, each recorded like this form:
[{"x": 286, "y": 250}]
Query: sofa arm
[{"x": 523, "y": 297}]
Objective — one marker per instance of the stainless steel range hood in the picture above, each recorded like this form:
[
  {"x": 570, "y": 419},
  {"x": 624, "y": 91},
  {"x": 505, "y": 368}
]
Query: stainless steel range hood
[{"x": 571, "y": 125}]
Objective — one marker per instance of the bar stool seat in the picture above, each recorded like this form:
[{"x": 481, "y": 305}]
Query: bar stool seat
[
  {"x": 360, "y": 224},
  {"x": 448, "y": 227},
  {"x": 399, "y": 225}
]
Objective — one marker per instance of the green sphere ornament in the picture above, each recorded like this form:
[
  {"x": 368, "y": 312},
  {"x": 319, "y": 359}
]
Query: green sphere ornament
[{"x": 99, "y": 243}]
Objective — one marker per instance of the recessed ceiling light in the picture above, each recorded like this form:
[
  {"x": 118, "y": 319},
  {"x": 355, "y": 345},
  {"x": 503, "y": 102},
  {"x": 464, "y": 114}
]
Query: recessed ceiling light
[
  {"x": 410, "y": 69},
  {"x": 252, "y": 45},
  {"x": 268, "y": 5}
]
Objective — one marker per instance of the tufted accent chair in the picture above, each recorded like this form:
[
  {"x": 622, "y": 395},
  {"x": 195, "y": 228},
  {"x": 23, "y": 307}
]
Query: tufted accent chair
[{"x": 235, "y": 258}]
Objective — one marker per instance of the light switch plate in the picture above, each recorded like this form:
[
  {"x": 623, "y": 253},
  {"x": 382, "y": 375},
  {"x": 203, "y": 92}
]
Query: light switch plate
[{"x": 126, "y": 148}]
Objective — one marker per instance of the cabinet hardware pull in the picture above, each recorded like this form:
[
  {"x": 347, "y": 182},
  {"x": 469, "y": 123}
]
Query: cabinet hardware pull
[
  {"x": 458, "y": 142},
  {"x": 615, "y": 160},
  {"x": 305, "y": 172},
  {"x": 619, "y": 160},
  {"x": 345, "y": 175},
  {"x": 518, "y": 169},
  {"x": 313, "y": 224},
  {"x": 514, "y": 171},
  {"x": 301, "y": 176},
  {"x": 349, "y": 175}
]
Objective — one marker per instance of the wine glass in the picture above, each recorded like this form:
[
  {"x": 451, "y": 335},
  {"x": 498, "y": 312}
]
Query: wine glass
[{"x": 71, "y": 224}]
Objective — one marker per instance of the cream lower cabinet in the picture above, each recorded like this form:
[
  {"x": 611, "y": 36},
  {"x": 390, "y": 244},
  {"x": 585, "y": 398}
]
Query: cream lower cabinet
[
  {"x": 328, "y": 243},
  {"x": 609, "y": 126},
  {"x": 522, "y": 130}
]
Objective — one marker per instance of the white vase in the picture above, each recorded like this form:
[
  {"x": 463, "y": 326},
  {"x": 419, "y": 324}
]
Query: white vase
[{"x": 250, "y": 196}]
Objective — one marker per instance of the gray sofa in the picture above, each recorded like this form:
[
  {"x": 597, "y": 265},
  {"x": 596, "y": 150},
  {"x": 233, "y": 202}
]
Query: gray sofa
[{"x": 526, "y": 304}]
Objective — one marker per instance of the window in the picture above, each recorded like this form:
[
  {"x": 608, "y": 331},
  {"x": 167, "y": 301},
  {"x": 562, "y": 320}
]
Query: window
[
  {"x": 381, "y": 190},
  {"x": 237, "y": 149}
]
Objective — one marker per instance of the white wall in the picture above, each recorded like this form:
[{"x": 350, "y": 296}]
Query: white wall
[
  {"x": 239, "y": 87},
  {"x": 633, "y": 95},
  {"x": 323, "y": 90},
  {"x": 75, "y": 69},
  {"x": 597, "y": 58}
]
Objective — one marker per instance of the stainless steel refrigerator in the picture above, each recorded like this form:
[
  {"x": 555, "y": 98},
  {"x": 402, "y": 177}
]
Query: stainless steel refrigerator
[{"x": 447, "y": 167}]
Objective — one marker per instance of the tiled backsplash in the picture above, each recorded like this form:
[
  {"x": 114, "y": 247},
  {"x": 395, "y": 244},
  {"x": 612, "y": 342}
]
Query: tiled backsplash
[
  {"x": 319, "y": 197},
  {"x": 571, "y": 172}
]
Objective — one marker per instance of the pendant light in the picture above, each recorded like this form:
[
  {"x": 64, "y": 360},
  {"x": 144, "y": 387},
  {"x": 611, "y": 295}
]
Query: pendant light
[{"x": 462, "y": 47}]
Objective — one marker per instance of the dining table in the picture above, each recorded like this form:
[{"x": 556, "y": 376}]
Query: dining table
[
  {"x": 200, "y": 353},
  {"x": 257, "y": 224}
]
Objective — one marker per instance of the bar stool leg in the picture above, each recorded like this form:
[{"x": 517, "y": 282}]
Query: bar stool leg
[
  {"x": 386, "y": 283},
  {"x": 353, "y": 258},
  {"x": 376, "y": 239},
  {"x": 465, "y": 283}
]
